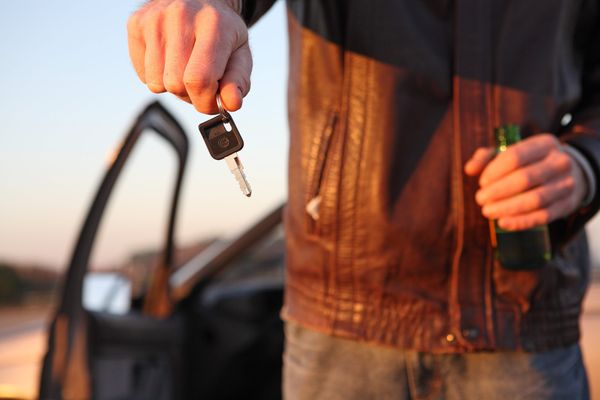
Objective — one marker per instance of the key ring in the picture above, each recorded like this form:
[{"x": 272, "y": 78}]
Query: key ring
[{"x": 222, "y": 110}]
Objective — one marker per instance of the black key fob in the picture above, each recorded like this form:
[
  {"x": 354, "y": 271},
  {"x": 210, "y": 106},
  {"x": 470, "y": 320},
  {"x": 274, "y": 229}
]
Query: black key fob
[{"x": 221, "y": 136}]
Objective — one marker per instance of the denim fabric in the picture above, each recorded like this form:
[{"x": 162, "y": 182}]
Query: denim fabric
[{"x": 318, "y": 366}]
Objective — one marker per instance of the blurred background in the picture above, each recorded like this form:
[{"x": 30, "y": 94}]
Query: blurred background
[{"x": 69, "y": 95}]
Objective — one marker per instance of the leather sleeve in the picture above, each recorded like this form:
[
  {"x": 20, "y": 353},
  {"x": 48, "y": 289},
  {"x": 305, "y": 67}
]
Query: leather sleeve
[
  {"x": 252, "y": 10},
  {"x": 584, "y": 132}
]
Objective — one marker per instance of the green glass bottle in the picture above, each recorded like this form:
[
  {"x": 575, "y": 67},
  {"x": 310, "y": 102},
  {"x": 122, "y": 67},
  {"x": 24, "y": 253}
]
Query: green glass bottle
[{"x": 525, "y": 249}]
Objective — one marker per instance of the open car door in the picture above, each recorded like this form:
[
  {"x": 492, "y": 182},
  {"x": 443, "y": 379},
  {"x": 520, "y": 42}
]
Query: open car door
[{"x": 208, "y": 329}]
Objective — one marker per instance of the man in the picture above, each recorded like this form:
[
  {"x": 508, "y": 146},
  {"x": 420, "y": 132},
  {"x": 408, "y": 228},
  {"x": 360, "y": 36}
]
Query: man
[{"x": 392, "y": 287}]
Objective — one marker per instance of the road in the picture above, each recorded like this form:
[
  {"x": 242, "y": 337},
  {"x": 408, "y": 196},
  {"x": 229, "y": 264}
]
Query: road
[{"x": 23, "y": 343}]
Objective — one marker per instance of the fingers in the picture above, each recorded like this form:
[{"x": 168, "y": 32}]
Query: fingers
[
  {"x": 530, "y": 184},
  {"x": 531, "y": 200},
  {"x": 179, "y": 45},
  {"x": 555, "y": 164},
  {"x": 538, "y": 217},
  {"x": 137, "y": 46},
  {"x": 205, "y": 67},
  {"x": 154, "y": 61},
  {"x": 519, "y": 155},
  {"x": 213, "y": 53},
  {"x": 479, "y": 160},
  {"x": 187, "y": 47},
  {"x": 235, "y": 84},
  {"x": 184, "y": 98}
]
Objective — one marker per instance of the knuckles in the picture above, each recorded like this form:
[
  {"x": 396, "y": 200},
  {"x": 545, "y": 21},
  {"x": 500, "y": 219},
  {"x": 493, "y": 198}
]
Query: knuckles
[
  {"x": 547, "y": 140},
  {"x": 564, "y": 162},
  {"x": 177, "y": 11},
  {"x": 569, "y": 183},
  {"x": 175, "y": 86},
  {"x": 151, "y": 22},
  {"x": 510, "y": 159},
  {"x": 224, "y": 25},
  {"x": 198, "y": 83},
  {"x": 210, "y": 14},
  {"x": 216, "y": 23},
  {"x": 133, "y": 24},
  {"x": 169, "y": 10},
  {"x": 524, "y": 180},
  {"x": 538, "y": 200}
]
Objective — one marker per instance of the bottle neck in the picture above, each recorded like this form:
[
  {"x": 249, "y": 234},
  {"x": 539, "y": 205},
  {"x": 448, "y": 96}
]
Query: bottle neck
[{"x": 507, "y": 135}]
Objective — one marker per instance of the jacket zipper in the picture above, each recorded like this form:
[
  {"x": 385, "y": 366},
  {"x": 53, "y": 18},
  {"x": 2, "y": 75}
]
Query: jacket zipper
[{"x": 320, "y": 148}]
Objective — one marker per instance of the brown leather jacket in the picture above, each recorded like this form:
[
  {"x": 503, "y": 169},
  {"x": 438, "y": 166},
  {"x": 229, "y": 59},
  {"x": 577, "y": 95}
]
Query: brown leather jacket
[{"x": 387, "y": 100}]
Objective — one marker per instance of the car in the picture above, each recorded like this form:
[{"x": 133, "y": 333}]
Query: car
[{"x": 207, "y": 329}]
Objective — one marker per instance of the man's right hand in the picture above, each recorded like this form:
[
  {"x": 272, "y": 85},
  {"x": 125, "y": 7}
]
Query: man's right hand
[{"x": 192, "y": 48}]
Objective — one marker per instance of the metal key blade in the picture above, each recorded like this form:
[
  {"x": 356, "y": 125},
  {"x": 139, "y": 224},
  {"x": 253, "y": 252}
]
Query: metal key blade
[{"x": 237, "y": 169}]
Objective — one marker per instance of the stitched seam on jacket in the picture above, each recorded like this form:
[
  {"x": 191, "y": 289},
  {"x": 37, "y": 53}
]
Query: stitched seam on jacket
[
  {"x": 342, "y": 133},
  {"x": 360, "y": 157}
]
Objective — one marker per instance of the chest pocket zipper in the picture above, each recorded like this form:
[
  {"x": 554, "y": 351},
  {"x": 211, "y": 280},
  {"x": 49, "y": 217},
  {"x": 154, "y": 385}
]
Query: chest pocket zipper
[{"x": 319, "y": 150}]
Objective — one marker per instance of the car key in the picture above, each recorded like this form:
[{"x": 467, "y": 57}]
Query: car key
[{"x": 224, "y": 141}]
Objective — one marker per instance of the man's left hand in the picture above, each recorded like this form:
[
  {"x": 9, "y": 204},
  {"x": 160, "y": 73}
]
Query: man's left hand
[{"x": 532, "y": 183}]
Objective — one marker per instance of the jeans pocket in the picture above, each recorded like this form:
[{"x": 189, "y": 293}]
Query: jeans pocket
[{"x": 305, "y": 349}]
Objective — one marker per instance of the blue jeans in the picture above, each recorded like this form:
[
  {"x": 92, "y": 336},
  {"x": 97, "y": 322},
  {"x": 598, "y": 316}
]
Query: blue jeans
[{"x": 318, "y": 366}]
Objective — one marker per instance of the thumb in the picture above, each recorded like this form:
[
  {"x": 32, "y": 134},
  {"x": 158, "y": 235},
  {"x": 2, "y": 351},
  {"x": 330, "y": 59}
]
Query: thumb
[{"x": 235, "y": 84}]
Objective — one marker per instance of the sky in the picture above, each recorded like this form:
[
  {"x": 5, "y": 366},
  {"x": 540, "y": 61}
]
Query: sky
[{"x": 69, "y": 94}]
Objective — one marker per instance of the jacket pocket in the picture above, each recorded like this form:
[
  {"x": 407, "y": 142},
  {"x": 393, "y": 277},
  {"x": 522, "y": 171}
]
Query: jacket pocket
[
  {"x": 516, "y": 287},
  {"x": 318, "y": 157}
]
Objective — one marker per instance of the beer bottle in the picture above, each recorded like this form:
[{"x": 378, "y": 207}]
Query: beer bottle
[{"x": 518, "y": 250}]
